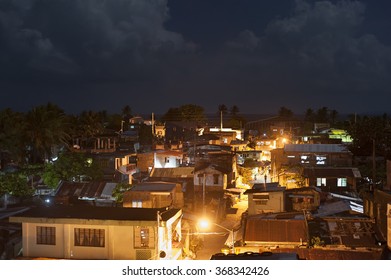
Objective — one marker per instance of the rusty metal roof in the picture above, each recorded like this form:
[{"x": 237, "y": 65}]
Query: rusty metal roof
[
  {"x": 85, "y": 189},
  {"x": 287, "y": 230}
]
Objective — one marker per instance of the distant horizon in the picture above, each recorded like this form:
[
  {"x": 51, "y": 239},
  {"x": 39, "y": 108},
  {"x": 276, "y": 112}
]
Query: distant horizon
[{"x": 207, "y": 113}]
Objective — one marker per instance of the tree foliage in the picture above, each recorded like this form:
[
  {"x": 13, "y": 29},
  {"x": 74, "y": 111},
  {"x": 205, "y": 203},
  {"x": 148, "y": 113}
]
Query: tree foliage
[
  {"x": 368, "y": 132},
  {"x": 246, "y": 174},
  {"x": 15, "y": 183},
  {"x": 187, "y": 112},
  {"x": 322, "y": 115},
  {"x": 285, "y": 113},
  {"x": 87, "y": 124},
  {"x": 71, "y": 166},
  {"x": 12, "y": 137},
  {"x": 46, "y": 126},
  {"x": 118, "y": 192}
]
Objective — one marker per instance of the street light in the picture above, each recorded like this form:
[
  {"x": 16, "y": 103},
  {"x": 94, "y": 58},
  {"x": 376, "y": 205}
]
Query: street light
[{"x": 204, "y": 224}]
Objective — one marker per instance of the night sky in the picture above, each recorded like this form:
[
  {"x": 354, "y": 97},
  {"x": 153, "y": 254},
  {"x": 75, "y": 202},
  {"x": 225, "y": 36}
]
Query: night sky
[{"x": 157, "y": 54}]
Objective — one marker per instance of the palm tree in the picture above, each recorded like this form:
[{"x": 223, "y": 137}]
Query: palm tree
[
  {"x": 234, "y": 111},
  {"x": 223, "y": 109},
  {"x": 46, "y": 128},
  {"x": 11, "y": 134},
  {"x": 285, "y": 113},
  {"x": 126, "y": 113},
  {"x": 90, "y": 124}
]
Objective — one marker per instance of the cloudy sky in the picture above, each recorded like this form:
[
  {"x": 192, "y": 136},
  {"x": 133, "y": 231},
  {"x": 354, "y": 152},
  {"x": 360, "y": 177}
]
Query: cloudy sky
[{"x": 156, "y": 54}]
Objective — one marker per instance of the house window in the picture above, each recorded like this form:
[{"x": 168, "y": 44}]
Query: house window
[
  {"x": 321, "y": 160},
  {"x": 137, "y": 204},
  {"x": 261, "y": 196},
  {"x": 305, "y": 159},
  {"x": 342, "y": 182},
  {"x": 261, "y": 202},
  {"x": 46, "y": 235},
  {"x": 320, "y": 182},
  {"x": 261, "y": 199},
  {"x": 89, "y": 237},
  {"x": 215, "y": 179},
  {"x": 144, "y": 237}
]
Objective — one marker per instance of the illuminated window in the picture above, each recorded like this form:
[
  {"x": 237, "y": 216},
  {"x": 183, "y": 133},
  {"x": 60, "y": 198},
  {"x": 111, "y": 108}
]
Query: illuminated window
[
  {"x": 89, "y": 237},
  {"x": 321, "y": 160},
  {"x": 144, "y": 237},
  {"x": 320, "y": 182},
  {"x": 342, "y": 182},
  {"x": 46, "y": 235},
  {"x": 305, "y": 159},
  {"x": 137, "y": 204}
]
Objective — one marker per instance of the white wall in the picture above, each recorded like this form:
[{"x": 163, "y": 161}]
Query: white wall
[
  {"x": 119, "y": 243},
  {"x": 389, "y": 226}
]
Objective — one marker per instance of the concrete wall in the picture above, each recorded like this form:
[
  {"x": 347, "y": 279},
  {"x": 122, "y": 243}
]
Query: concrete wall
[
  {"x": 389, "y": 226},
  {"x": 274, "y": 204},
  {"x": 119, "y": 243}
]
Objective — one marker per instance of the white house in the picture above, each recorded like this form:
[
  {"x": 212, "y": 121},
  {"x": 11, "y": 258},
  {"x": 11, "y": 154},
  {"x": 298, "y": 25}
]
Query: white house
[
  {"x": 265, "y": 198},
  {"x": 112, "y": 233},
  {"x": 389, "y": 226}
]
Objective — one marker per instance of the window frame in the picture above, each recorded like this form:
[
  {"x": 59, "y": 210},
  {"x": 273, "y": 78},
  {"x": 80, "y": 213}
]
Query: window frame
[
  {"x": 45, "y": 235},
  {"x": 322, "y": 180},
  {"x": 144, "y": 242},
  {"x": 342, "y": 182},
  {"x": 89, "y": 237}
]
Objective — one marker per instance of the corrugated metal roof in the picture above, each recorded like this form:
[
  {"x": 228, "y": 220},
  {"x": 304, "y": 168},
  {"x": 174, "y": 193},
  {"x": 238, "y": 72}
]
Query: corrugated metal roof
[
  {"x": 108, "y": 190},
  {"x": 349, "y": 231},
  {"x": 177, "y": 172},
  {"x": 206, "y": 165},
  {"x": 329, "y": 172},
  {"x": 154, "y": 186},
  {"x": 86, "y": 189},
  {"x": 275, "y": 230},
  {"x": 316, "y": 148}
]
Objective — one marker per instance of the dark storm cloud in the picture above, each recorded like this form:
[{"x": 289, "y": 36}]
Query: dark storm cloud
[
  {"x": 316, "y": 56},
  {"x": 86, "y": 39},
  {"x": 311, "y": 54}
]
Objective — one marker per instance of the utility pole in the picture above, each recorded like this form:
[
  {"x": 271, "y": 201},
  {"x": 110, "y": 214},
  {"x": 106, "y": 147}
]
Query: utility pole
[
  {"x": 373, "y": 165},
  {"x": 221, "y": 120},
  {"x": 221, "y": 126},
  {"x": 203, "y": 196},
  {"x": 153, "y": 124}
]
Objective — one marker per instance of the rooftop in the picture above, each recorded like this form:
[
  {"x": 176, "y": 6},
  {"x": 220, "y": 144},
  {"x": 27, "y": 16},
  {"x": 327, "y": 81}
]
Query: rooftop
[
  {"x": 313, "y": 148},
  {"x": 95, "y": 213}
]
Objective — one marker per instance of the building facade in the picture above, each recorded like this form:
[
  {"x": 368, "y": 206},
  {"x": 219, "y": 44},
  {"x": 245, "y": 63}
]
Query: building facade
[{"x": 100, "y": 233}]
